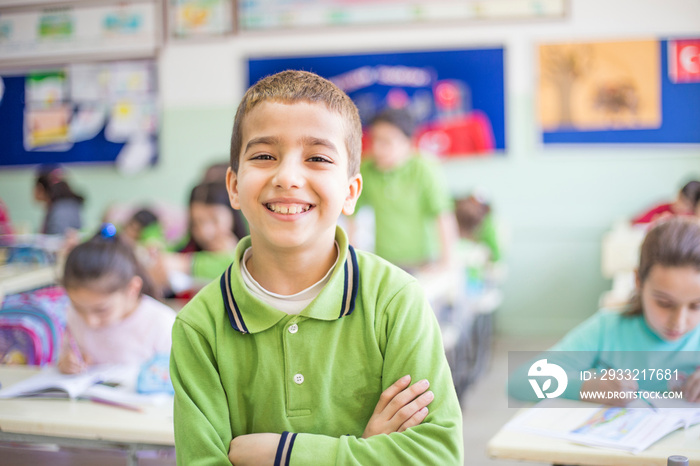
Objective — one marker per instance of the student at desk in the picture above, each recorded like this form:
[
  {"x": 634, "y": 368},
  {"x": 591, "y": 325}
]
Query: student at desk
[
  {"x": 111, "y": 320},
  {"x": 64, "y": 206},
  {"x": 686, "y": 203},
  {"x": 660, "y": 323}
]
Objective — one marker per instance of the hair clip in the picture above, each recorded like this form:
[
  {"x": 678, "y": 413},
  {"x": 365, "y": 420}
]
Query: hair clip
[{"x": 108, "y": 231}]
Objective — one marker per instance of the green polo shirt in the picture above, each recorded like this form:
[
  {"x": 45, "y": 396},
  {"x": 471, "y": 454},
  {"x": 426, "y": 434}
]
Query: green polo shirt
[
  {"x": 407, "y": 201},
  {"x": 239, "y": 366}
]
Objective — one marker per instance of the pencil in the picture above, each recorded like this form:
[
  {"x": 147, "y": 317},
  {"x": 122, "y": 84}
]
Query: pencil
[
  {"x": 116, "y": 404},
  {"x": 74, "y": 346}
]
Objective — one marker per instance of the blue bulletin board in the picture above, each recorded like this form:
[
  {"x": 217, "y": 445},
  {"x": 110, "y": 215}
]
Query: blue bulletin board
[
  {"x": 456, "y": 96},
  {"x": 83, "y": 113},
  {"x": 628, "y": 92}
]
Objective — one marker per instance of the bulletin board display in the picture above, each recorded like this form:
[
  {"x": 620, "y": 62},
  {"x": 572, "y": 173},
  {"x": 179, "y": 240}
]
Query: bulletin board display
[
  {"x": 89, "y": 112},
  {"x": 297, "y": 14},
  {"x": 200, "y": 18},
  {"x": 37, "y": 35},
  {"x": 455, "y": 96},
  {"x": 623, "y": 92}
]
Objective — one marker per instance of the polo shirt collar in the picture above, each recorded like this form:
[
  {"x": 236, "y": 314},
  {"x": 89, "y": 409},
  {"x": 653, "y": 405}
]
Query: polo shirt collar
[{"x": 247, "y": 314}]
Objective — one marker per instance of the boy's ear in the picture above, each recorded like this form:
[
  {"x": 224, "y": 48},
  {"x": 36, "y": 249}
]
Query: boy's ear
[
  {"x": 354, "y": 191},
  {"x": 232, "y": 188}
]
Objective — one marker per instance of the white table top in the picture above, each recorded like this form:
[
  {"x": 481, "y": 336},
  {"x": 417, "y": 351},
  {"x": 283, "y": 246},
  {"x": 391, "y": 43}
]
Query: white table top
[
  {"x": 15, "y": 278},
  {"x": 509, "y": 444},
  {"x": 81, "y": 419}
]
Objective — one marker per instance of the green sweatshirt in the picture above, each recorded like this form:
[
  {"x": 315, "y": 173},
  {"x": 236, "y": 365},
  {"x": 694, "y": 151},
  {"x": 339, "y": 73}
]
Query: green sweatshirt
[{"x": 240, "y": 366}]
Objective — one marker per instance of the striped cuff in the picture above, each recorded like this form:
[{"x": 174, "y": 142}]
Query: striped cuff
[{"x": 284, "y": 449}]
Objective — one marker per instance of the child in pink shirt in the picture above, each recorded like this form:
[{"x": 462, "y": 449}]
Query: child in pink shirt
[{"x": 111, "y": 320}]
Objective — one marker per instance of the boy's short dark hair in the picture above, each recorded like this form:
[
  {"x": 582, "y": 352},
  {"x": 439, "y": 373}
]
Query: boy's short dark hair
[
  {"x": 294, "y": 86},
  {"x": 399, "y": 117}
]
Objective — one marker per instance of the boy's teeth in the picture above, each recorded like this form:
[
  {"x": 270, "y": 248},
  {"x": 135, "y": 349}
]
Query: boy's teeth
[{"x": 288, "y": 208}]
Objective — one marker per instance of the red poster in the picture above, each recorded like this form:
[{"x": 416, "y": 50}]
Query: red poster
[{"x": 684, "y": 60}]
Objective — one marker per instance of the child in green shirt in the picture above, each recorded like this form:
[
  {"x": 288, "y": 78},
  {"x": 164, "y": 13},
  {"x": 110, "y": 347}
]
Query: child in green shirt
[
  {"x": 414, "y": 217},
  {"x": 303, "y": 352}
]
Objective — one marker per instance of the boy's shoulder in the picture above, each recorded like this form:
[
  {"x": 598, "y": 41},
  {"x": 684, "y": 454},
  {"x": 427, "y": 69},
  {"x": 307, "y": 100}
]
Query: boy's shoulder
[
  {"x": 380, "y": 278},
  {"x": 202, "y": 310}
]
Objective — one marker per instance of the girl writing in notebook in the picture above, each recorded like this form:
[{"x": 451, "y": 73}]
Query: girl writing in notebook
[
  {"x": 651, "y": 346},
  {"x": 112, "y": 319}
]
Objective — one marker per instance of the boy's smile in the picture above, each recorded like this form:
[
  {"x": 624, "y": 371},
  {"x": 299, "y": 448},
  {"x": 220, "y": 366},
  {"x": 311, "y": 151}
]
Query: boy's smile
[{"x": 292, "y": 181}]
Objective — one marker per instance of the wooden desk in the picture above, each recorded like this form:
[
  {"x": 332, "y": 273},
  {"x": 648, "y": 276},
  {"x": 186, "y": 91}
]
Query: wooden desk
[
  {"x": 81, "y": 423},
  {"x": 513, "y": 445}
]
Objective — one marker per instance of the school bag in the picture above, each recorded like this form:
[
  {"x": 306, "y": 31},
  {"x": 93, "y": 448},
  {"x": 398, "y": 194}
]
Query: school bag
[{"x": 32, "y": 324}]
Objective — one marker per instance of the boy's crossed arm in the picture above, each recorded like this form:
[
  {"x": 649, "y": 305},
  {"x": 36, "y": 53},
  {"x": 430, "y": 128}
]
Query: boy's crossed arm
[{"x": 399, "y": 408}]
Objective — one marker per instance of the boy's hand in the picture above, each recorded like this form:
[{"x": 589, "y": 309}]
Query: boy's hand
[
  {"x": 691, "y": 387},
  {"x": 254, "y": 449},
  {"x": 605, "y": 386},
  {"x": 400, "y": 407}
]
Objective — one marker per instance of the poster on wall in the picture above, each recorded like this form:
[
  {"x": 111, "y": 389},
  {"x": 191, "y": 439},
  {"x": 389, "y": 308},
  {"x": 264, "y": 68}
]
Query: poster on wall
[
  {"x": 200, "y": 18},
  {"x": 455, "y": 96},
  {"x": 36, "y": 35},
  {"x": 88, "y": 112},
  {"x": 623, "y": 92},
  {"x": 298, "y": 14}
]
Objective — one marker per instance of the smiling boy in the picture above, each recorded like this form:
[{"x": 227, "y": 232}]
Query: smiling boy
[{"x": 303, "y": 352}]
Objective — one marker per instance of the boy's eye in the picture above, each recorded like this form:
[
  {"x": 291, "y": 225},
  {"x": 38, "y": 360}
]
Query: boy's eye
[
  {"x": 694, "y": 306},
  {"x": 262, "y": 157},
  {"x": 320, "y": 158}
]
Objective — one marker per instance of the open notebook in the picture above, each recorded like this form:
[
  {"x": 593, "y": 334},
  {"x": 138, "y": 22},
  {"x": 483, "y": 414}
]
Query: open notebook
[
  {"x": 632, "y": 428},
  {"x": 101, "y": 383}
]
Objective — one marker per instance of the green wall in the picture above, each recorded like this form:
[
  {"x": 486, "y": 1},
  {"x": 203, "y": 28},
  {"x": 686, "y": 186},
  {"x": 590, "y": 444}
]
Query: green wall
[{"x": 556, "y": 203}]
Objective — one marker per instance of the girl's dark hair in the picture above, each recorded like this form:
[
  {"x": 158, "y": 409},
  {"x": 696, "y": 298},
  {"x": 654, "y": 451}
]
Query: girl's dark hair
[
  {"x": 144, "y": 217},
  {"x": 691, "y": 191},
  {"x": 215, "y": 193},
  {"x": 50, "y": 178},
  {"x": 106, "y": 262},
  {"x": 670, "y": 243},
  {"x": 470, "y": 213}
]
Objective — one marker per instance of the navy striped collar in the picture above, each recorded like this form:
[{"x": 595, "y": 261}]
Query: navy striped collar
[{"x": 247, "y": 314}]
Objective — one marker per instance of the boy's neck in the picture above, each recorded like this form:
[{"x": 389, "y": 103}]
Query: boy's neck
[{"x": 288, "y": 272}]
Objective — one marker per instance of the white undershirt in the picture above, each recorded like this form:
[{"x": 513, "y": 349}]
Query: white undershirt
[{"x": 290, "y": 304}]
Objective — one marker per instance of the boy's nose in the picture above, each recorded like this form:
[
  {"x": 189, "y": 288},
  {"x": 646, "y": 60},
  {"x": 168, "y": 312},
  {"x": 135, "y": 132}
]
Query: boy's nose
[{"x": 289, "y": 174}]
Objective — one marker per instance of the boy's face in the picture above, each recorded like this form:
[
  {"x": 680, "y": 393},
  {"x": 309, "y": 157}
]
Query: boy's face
[
  {"x": 390, "y": 146},
  {"x": 292, "y": 181}
]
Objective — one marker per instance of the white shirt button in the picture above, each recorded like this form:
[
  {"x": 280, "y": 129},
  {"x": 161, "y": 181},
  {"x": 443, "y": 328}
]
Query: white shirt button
[
  {"x": 294, "y": 328},
  {"x": 299, "y": 379}
]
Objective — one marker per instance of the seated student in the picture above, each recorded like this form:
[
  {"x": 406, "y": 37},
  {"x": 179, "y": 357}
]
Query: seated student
[
  {"x": 212, "y": 238},
  {"x": 304, "y": 349},
  {"x": 475, "y": 222},
  {"x": 63, "y": 206},
  {"x": 413, "y": 210},
  {"x": 659, "y": 325},
  {"x": 144, "y": 228},
  {"x": 686, "y": 203},
  {"x": 112, "y": 320}
]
